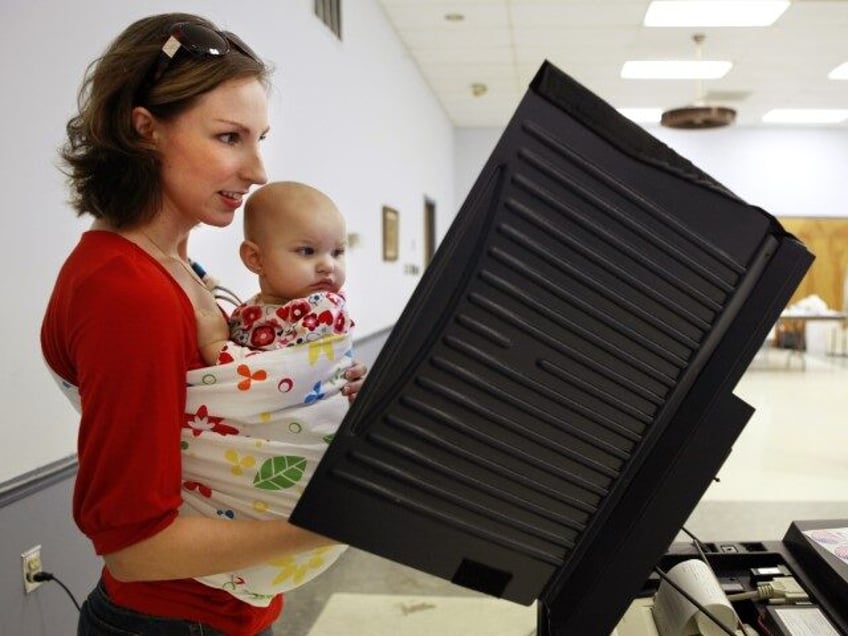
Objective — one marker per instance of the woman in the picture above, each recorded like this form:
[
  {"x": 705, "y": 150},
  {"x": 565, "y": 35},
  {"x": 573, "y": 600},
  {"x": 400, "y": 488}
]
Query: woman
[{"x": 167, "y": 137}]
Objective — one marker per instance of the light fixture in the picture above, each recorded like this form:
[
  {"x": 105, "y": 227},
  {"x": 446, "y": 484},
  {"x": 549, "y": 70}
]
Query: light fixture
[
  {"x": 675, "y": 69},
  {"x": 454, "y": 17},
  {"x": 699, "y": 115},
  {"x": 806, "y": 116},
  {"x": 642, "y": 115},
  {"x": 478, "y": 89},
  {"x": 840, "y": 72},
  {"x": 714, "y": 13}
]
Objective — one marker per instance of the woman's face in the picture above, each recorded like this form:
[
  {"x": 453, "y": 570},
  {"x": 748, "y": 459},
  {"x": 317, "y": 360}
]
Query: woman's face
[{"x": 210, "y": 153}]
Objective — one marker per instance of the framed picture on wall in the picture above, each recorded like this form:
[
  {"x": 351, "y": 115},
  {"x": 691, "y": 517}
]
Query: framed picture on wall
[{"x": 390, "y": 234}]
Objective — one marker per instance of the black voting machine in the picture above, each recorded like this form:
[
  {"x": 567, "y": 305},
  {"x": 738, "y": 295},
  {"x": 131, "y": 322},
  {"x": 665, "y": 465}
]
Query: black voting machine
[{"x": 557, "y": 394}]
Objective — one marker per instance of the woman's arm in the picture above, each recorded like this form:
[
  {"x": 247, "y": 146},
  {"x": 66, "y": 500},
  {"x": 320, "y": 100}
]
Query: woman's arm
[{"x": 197, "y": 546}]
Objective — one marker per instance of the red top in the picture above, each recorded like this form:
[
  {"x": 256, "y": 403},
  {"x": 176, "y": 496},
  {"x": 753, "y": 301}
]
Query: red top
[{"x": 112, "y": 307}]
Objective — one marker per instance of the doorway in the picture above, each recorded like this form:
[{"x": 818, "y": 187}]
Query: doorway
[{"x": 429, "y": 230}]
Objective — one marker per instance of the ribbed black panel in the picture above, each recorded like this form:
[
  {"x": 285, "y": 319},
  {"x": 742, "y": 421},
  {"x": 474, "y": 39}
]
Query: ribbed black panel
[{"x": 568, "y": 312}]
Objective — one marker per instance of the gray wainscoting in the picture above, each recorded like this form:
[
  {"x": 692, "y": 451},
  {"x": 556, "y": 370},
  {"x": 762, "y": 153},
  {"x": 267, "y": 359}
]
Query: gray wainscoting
[{"x": 35, "y": 509}]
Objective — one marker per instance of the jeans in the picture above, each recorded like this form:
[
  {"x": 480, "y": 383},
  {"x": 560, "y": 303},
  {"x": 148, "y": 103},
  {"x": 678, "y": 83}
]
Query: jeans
[{"x": 99, "y": 616}]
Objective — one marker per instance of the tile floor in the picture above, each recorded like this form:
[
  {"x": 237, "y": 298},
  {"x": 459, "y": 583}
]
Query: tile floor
[{"x": 789, "y": 463}]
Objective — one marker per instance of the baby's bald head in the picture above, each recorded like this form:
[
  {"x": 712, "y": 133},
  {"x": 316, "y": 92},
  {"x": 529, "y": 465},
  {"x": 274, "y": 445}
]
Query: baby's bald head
[
  {"x": 294, "y": 240},
  {"x": 274, "y": 206}
]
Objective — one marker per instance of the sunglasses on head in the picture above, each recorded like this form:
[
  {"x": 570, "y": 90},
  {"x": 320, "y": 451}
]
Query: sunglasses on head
[{"x": 200, "y": 41}]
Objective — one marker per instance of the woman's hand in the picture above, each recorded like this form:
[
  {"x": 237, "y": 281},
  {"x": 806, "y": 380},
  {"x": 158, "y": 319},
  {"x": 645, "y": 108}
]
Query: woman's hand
[{"x": 355, "y": 376}]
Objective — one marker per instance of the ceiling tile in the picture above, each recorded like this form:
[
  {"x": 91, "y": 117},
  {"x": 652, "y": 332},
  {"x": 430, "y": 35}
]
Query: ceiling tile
[{"x": 502, "y": 43}]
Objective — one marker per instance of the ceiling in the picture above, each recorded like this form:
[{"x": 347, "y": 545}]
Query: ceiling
[{"x": 501, "y": 43}]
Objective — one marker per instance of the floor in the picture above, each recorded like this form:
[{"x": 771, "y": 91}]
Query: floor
[{"x": 789, "y": 463}]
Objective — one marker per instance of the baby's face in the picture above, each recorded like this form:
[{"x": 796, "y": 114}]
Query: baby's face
[{"x": 305, "y": 255}]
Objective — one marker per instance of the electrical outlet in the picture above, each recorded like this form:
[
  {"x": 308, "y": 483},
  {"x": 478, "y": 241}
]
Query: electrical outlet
[{"x": 31, "y": 565}]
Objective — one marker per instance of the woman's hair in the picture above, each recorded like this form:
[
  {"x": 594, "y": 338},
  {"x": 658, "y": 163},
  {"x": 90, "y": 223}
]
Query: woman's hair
[{"x": 113, "y": 172}]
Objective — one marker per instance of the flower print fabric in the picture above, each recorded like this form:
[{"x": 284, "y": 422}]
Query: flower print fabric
[
  {"x": 256, "y": 326},
  {"x": 258, "y": 423}
]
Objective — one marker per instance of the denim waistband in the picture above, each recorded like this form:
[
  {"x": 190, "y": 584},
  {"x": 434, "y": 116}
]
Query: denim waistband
[{"x": 101, "y": 617}]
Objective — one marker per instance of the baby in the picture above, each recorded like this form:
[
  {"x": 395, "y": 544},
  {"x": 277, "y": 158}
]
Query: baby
[
  {"x": 294, "y": 241},
  {"x": 261, "y": 415}
]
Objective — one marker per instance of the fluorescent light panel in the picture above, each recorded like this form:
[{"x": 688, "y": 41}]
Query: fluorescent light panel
[
  {"x": 642, "y": 115},
  {"x": 840, "y": 72},
  {"x": 675, "y": 69},
  {"x": 806, "y": 116},
  {"x": 714, "y": 13}
]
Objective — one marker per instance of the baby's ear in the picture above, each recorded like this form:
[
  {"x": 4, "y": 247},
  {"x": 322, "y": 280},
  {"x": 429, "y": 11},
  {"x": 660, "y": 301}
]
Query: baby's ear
[{"x": 251, "y": 256}]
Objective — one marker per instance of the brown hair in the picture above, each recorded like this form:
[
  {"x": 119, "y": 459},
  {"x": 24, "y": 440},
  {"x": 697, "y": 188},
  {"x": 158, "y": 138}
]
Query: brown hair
[{"x": 113, "y": 172}]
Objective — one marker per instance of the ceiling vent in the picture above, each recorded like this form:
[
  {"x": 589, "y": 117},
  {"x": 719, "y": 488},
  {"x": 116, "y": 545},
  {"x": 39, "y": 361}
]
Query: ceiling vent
[{"x": 699, "y": 115}]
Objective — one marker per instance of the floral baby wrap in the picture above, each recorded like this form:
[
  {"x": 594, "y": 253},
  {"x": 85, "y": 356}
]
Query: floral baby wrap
[{"x": 255, "y": 430}]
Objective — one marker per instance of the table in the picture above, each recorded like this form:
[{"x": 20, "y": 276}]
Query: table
[{"x": 791, "y": 328}]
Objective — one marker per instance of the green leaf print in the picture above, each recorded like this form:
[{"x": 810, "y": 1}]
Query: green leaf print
[
  {"x": 279, "y": 473},
  {"x": 328, "y": 438}
]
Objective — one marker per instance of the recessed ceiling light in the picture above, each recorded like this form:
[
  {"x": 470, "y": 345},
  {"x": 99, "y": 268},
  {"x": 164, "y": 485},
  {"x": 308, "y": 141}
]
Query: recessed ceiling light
[
  {"x": 806, "y": 116},
  {"x": 840, "y": 72},
  {"x": 454, "y": 17},
  {"x": 479, "y": 89},
  {"x": 642, "y": 115},
  {"x": 675, "y": 69},
  {"x": 714, "y": 13}
]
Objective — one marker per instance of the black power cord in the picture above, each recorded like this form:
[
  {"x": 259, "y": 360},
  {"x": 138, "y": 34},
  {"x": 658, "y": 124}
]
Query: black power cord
[
  {"x": 699, "y": 545},
  {"x": 39, "y": 577}
]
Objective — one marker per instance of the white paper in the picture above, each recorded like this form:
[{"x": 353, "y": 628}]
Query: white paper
[
  {"x": 676, "y": 616},
  {"x": 834, "y": 540},
  {"x": 806, "y": 622},
  {"x": 638, "y": 620}
]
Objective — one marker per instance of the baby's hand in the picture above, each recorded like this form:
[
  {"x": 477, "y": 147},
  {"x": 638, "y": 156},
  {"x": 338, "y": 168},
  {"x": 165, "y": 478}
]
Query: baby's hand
[
  {"x": 355, "y": 376},
  {"x": 212, "y": 333}
]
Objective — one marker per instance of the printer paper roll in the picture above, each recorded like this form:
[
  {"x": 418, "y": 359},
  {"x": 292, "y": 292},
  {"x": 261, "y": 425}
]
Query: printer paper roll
[{"x": 674, "y": 615}]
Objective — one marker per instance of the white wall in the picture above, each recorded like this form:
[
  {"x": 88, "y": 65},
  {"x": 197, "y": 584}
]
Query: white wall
[
  {"x": 353, "y": 117},
  {"x": 785, "y": 171}
]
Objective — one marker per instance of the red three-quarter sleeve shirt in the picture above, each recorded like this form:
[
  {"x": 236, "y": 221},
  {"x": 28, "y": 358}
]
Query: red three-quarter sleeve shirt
[{"x": 121, "y": 329}]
